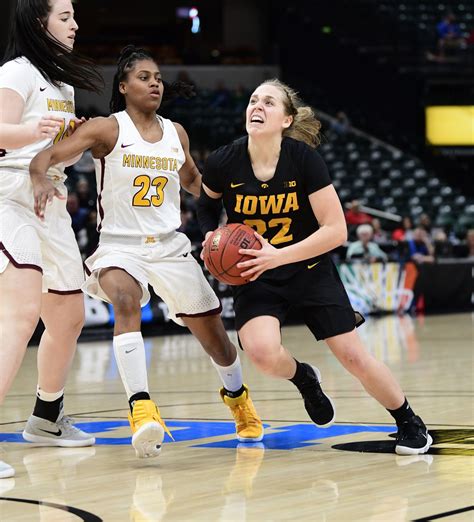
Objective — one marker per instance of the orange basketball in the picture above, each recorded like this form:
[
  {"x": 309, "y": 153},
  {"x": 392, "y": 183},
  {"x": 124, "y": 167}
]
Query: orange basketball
[{"x": 221, "y": 252}]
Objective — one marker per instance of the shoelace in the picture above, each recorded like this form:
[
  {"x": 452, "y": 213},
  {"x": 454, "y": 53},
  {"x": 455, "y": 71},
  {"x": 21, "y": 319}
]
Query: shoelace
[
  {"x": 245, "y": 415},
  {"x": 66, "y": 422},
  {"x": 160, "y": 420},
  {"x": 312, "y": 388}
]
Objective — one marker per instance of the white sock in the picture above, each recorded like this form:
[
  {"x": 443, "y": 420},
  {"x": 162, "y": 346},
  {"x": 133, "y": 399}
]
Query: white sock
[
  {"x": 130, "y": 357},
  {"x": 48, "y": 396},
  {"x": 231, "y": 376}
]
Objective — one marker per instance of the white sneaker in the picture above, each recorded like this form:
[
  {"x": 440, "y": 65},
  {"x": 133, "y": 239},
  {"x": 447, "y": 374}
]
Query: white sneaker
[
  {"x": 60, "y": 433},
  {"x": 6, "y": 471}
]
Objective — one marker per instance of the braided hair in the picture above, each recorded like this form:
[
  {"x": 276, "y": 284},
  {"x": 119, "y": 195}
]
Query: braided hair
[{"x": 129, "y": 56}]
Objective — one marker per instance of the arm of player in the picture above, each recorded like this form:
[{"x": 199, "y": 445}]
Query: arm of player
[
  {"x": 90, "y": 134},
  {"x": 332, "y": 233},
  {"x": 209, "y": 210},
  {"x": 189, "y": 175},
  {"x": 74, "y": 124},
  {"x": 13, "y": 134}
]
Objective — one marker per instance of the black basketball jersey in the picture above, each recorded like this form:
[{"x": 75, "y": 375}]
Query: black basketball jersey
[{"x": 278, "y": 209}]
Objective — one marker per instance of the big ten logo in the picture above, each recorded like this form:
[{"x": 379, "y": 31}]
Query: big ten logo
[{"x": 289, "y": 184}]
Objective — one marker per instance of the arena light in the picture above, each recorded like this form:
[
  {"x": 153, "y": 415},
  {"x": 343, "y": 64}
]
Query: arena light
[{"x": 450, "y": 125}]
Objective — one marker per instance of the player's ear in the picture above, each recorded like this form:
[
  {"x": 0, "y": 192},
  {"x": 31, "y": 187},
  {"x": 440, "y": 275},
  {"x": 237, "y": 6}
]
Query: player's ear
[
  {"x": 122, "y": 88},
  {"x": 287, "y": 121}
]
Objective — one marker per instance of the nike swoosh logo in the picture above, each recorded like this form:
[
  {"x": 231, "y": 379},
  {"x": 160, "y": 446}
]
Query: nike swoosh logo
[
  {"x": 125, "y": 146},
  {"x": 235, "y": 185},
  {"x": 128, "y": 351},
  {"x": 186, "y": 255},
  {"x": 313, "y": 265},
  {"x": 57, "y": 433},
  {"x": 43, "y": 89}
]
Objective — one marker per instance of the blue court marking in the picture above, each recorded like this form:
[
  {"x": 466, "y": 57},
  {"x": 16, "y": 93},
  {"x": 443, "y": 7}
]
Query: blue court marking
[
  {"x": 289, "y": 437},
  {"x": 297, "y": 436}
]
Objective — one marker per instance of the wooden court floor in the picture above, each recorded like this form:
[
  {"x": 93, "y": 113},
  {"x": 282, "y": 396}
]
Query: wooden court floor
[{"x": 299, "y": 472}]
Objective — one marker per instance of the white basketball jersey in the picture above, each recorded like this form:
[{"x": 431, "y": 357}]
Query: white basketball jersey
[
  {"x": 138, "y": 182},
  {"x": 41, "y": 98}
]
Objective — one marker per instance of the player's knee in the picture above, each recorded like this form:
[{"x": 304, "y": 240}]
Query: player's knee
[
  {"x": 27, "y": 319},
  {"x": 77, "y": 321},
  {"x": 264, "y": 356},
  {"x": 125, "y": 304}
]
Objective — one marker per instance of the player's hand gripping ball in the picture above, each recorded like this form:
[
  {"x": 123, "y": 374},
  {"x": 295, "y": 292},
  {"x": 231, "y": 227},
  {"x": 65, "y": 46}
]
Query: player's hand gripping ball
[{"x": 221, "y": 252}]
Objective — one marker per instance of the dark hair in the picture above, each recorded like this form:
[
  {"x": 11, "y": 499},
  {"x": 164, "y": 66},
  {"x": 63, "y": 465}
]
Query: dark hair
[
  {"x": 129, "y": 56},
  {"x": 57, "y": 64}
]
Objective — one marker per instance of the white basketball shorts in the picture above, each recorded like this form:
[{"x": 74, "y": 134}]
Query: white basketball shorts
[
  {"x": 48, "y": 246},
  {"x": 165, "y": 263}
]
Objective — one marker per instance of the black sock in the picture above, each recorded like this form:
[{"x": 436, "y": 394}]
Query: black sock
[
  {"x": 402, "y": 414},
  {"x": 140, "y": 396},
  {"x": 301, "y": 375},
  {"x": 234, "y": 394},
  {"x": 48, "y": 410}
]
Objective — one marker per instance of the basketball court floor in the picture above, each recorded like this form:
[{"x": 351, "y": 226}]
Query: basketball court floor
[{"x": 299, "y": 472}]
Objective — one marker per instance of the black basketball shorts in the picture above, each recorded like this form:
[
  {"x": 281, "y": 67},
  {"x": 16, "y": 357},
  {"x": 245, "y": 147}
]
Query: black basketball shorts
[{"x": 317, "y": 292}]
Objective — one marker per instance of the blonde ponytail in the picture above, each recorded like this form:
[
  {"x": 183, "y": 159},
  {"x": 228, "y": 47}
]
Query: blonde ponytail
[{"x": 305, "y": 126}]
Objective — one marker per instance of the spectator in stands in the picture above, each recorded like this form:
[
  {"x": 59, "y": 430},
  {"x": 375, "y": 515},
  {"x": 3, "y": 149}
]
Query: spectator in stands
[
  {"x": 221, "y": 97},
  {"x": 341, "y": 125},
  {"x": 183, "y": 76},
  {"x": 84, "y": 194},
  {"x": 92, "y": 234},
  {"x": 379, "y": 235},
  {"x": 78, "y": 215},
  {"x": 405, "y": 232},
  {"x": 449, "y": 35},
  {"x": 441, "y": 244},
  {"x": 467, "y": 250},
  {"x": 365, "y": 249},
  {"x": 240, "y": 99},
  {"x": 354, "y": 216},
  {"x": 470, "y": 242},
  {"x": 420, "y": 248},
  {"x": 425, "y": 223}
]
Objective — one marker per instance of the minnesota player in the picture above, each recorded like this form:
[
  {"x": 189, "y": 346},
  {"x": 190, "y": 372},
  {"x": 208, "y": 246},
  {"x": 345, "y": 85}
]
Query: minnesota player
[
  {"x": 40, "y": 265},
  {"x": 274, "y": 181},
  {"x": 142, "y": 160}
]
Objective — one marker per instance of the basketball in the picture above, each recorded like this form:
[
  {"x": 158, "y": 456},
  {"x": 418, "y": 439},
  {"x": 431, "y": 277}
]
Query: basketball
[{"x": 221, "y": 252}]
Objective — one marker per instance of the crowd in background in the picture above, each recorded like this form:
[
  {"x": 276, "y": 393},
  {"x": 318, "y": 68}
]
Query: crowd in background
[{"x": 370, "y": 239}]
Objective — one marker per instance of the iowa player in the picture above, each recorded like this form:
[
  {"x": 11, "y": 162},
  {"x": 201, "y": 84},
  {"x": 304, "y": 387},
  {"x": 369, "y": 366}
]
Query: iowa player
[
  {"x": 142, "y": 160},
  {"x": 40, "y": 264},
  {"x": 275, "y": 181}
]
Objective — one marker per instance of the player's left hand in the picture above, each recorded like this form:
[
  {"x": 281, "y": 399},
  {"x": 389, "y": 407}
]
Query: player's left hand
[
  {"x": 74, "y": 124},
  {"x": 264, "y": 259}
]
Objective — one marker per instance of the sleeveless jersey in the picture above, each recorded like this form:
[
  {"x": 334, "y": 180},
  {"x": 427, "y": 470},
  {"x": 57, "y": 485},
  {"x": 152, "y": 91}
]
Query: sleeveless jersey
[
  {"x": 41, "y": 98},
  {"x": 138, "y": 182}
]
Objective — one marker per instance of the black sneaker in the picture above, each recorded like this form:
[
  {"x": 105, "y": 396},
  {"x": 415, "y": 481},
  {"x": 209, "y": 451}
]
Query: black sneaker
[
  {"x": 318, "y": 405},
  {"x": 413, "y": 437}
]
